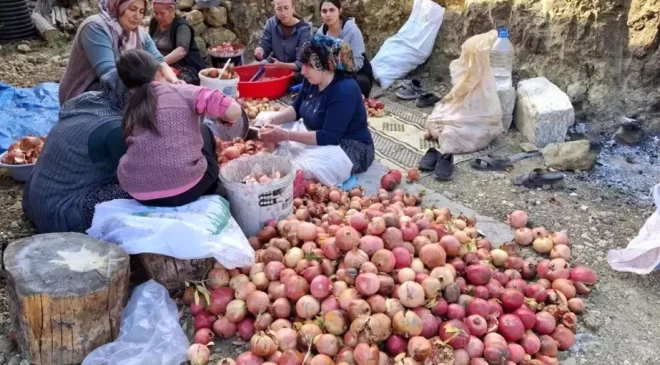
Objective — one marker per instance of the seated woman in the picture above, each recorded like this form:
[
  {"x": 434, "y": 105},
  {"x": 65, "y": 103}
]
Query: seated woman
[
  {"x": 329, "y": 103},
  {"x": 337, "y": 25},
  {"x": 175, "y": 39},
  {"x": 77, "y": 166},
  {"x": 283, "y": 36},
  {"x": 100, "y": 40},
  {"x": 168, "y": 161}
]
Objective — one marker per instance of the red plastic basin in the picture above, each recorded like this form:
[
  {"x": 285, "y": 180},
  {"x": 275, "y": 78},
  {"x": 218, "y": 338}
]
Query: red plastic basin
[{"x": 273, "y": 84}]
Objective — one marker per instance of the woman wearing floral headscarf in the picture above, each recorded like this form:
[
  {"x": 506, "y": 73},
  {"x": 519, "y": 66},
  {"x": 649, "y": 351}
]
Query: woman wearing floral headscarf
[
  {"x": 175, "y": 39},
  {"x": 100, "y": 40},
  {"x": 330, "y": 104}
]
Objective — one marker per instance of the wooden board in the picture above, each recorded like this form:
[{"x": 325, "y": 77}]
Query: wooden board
[
  {"x": 66, "y": 293},
  {"x": 172, "y": 273}
]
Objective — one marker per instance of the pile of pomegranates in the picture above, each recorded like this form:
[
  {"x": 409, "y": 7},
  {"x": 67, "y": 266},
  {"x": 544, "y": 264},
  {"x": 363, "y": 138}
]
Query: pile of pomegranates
[
  {"x": 25, "y": 151},
  {"x": 373, "y": 280},
  {"x": 258, "y": 178},
  {"x": 231, "y": 150}
]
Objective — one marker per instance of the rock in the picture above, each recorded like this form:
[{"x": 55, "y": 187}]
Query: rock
[
  {"x": 24, "y": 362},
  {"x": 528, "y": 147},
  {"x": 194, "y": 17},
  {"x": 201, "y": 44},
  {"x": 199, "y": 28},
  {"x": 24, "y": 48},
  {"x": 543, "y": 112},
  {"x": 507, "y": 96},
  {"x": 630, "y": 133},
  {"x": 185, "y": 4},
  {"x": 215, "y": 17},
  {"x": 576, "y": 155},
  {"x": 226, "y": 4},
  {"x": 576, "y": 92},
  {"x": 215, "y": 36}
]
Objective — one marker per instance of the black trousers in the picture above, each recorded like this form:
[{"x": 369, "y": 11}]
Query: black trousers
[
  {"x": 206, "y": 186},
  {"x": 365, "y": 83}
]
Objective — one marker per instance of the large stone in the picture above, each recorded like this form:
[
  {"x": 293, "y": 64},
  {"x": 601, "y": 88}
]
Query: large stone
[
  {"x": 194, "y": 17},
  {"x": 201, "y": 44},
  {"x": 507, "y": 96},
  {"x": 577, "y": 92},
  {"x": 215, "y": 36},
  {"x": 185, "y": 4},
  {"x": 199, "y": 28},
  {"x": 215, "y": 17},
  {"x": 543, "y": 112},
  {"x": 630, "y": 132},
  {"x": 575, "y": 156}
]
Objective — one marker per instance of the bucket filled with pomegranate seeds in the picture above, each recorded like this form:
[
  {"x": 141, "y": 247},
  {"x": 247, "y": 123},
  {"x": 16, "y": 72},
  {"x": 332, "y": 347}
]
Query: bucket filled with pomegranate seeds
[{"x": 259, "y": 188}]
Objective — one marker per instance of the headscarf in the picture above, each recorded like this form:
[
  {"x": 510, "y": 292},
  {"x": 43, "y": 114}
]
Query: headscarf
[
  {"x": 110, "y": 11},
  {"x": 109, "y": 101},
  {"x": 166, "y": 2},
  {"x": 114, "y": 90},
  {"x": 325, "y": 53}
]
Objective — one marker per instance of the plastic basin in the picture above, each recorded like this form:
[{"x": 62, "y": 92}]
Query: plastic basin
[
  {"x": 17, "y": 172},
  {"x": 273, "y": 84}
]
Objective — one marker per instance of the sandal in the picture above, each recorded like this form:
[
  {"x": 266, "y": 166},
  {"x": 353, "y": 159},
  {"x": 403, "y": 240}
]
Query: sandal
[
  {"x": 490, "y": 163},
  {"x": 410, "y": 90},
  {"x": 539, "y": 178}
]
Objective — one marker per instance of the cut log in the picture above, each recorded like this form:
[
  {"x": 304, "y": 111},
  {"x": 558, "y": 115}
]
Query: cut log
[
  {"x": 66, "y": 292},
  {"x": 172, "y": 273},
  {"x": 45, "y": 29}
]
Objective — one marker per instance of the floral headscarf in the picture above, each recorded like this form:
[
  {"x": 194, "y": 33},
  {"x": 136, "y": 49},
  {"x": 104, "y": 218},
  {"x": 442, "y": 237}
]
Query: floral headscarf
[
  {"x": 166, "y": 2},
  {"x": 110, "y": 11},
  {"x": 325, "y": 53}
]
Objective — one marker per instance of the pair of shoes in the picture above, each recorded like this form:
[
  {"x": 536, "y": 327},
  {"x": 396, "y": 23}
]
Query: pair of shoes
[
  {"x": 410, "y": 90},
  {"x": 442, "y": 164},
  {"x": 427, "y": 100}
]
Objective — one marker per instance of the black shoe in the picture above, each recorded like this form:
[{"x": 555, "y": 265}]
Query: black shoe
[
  {"x": 444, "y": 168},
  {"x": 430, "y": 159},
  {"x": 427, "y": 100}
]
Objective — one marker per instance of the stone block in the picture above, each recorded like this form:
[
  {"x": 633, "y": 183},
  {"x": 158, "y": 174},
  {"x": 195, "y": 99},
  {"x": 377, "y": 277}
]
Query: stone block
[
  {"x": 507, "y": 96},
  {"x": 215, "y": 17},
  {"x": 194, "y": 17},
  {"x": 543, "y": 112},
  {"x": 575, "y": 156},
  {"x": 215, "y": 36},
  {"x": 185, "y": 4},
  {"x": 199, "y": 28},
  {"x": 201, "y": 44}
]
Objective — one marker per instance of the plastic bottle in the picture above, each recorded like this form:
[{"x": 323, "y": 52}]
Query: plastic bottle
[{"x": 501, "y": 58}]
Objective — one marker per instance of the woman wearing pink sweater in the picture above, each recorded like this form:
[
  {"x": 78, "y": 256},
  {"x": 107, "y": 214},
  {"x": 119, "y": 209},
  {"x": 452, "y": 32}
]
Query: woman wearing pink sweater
[{"x": 170, "y": 160}]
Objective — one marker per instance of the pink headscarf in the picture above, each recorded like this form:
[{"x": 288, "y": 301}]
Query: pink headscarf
[
  {"x": 110, "y": 11},
  {"x": 166, "y": 2}
]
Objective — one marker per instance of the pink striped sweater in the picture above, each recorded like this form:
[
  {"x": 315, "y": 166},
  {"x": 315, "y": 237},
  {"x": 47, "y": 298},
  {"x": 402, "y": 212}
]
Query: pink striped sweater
[{"x": 165, "y": 165}]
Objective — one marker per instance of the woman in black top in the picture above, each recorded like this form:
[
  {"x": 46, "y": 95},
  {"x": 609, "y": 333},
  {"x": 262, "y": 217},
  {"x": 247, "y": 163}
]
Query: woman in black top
[{"x": 175, "y": 39}]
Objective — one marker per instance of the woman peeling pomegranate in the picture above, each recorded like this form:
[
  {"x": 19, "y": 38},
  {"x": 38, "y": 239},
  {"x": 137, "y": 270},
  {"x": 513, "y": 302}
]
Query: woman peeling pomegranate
[
  {"x": 330, "y": 106},
  {"x": 171, "y": 159}
]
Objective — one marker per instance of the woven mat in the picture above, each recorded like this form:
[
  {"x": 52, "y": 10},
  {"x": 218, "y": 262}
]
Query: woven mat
[{"x": 399, "y": 135}]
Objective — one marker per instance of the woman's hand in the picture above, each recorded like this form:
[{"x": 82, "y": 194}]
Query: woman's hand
[
  {"x": 273, "y": 134},
  {"x": 233, "y": 113}
]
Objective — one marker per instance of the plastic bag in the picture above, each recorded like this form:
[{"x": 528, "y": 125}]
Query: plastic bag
[
  {"x": 470, "y": 116},
  {"x": 328, "y": 165},
  {"x": 204, "y": 228},
  {"x": 643, "y": 253},
  {"x": 410, "y": 46},
  {"x": 150, "y": 333}
]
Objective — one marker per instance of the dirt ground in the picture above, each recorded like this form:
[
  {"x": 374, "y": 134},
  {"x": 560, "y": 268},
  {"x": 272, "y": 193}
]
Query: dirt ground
[{"x": 620, "y": 326}]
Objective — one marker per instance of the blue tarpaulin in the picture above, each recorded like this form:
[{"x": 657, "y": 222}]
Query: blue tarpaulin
[{"x": 27, "y": 111}]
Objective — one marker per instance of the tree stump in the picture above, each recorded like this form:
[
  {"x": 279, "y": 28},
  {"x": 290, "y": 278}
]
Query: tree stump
[
  {"x": 66, "y": 293},
  {"x": 172, "y": 273}
]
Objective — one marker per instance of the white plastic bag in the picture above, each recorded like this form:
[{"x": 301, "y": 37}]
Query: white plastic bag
[
  {"x": 411, "y": 46},
  {"x": 150, "y": 333},
  {"x": 328, "y": 164},
  {"x": 470, "y": 116},
  {"x": 643, "y": 253},
  {"x": 201, "y": 229}
]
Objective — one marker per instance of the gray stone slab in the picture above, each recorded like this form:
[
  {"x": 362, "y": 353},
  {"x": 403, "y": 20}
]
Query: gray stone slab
[
  {"x": 496, "y": 231},
  {"x": 507, "y": 96}
]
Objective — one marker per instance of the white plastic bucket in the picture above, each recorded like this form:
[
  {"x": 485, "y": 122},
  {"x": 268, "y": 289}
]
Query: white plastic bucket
[
  {"x": 226, "y": 86},
  {"x": 254, "y": 204}
]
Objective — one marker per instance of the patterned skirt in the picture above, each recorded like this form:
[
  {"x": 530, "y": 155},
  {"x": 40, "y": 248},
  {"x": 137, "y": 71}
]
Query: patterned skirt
[
  {"x": 98, "y": 195},
  {"x": 188, "y": 74},
  {"x": 360, "y": 153}
]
